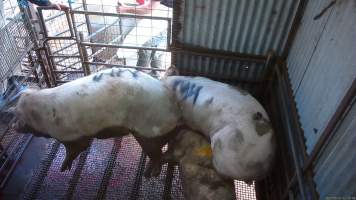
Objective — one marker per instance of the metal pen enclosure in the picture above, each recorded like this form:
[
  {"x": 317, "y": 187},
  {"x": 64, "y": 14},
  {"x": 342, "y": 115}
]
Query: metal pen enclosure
[{"x": 239, "y": 42}]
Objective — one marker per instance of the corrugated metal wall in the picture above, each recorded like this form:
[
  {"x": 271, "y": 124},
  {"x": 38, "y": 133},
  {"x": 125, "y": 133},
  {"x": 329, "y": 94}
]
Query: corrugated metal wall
[
  {"x": 241, "y": 26},
  {"x": 245, "y": 26},
  {"x": 322, "y": 63},
  {"x": 322, "y": 66},
  {"x": 335, "y": 170}
]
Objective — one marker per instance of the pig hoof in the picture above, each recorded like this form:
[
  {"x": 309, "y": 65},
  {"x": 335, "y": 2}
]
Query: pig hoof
[{"x": 153, "y": 170}]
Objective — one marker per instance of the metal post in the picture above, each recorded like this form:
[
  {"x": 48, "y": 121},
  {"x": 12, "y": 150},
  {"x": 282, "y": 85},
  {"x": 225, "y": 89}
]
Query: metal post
[
  {"x": 77, "y": 38},
  {"x": 85, "y": 55}
]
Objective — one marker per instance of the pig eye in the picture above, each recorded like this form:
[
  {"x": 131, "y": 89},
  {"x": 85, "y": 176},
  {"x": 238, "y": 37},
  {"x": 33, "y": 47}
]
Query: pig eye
[{"x": 257, "y": 116}]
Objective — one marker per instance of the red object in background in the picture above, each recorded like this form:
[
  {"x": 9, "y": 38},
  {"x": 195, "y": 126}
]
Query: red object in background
[{"x": 140, "y": 1}]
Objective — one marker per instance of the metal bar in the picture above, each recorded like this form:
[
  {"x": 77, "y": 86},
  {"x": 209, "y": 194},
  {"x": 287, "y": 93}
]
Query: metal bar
[
  {"x": 70, "y": 66},
  {"x": 100, "y": 30},
  {"x": 71, "y": 24},
  {"x": 169, "y": 34},
  {"x": 188, "y": 49},
  {"x": 87, "y": 20},
  {"x": 300, "y": 136},
  {"x": 329, "y": 132},
  {"x": 138, "y": 178},
  {"x": 42, "y": 22},
  {"x": 109, "y": 169},
  {"x": 68, "y": 71},
  {"x": 54, "y": 16},
  {"x": 121, "y": 46},
  {"x": 119, "y": 38},
  {"x": 126, "y": 66},
  {"x": 17, "y": 159},
  {"x": 119, "y": 15},
  {"x": 168, "y": 181},
  {"x": 297, "y": 165},
  {"x": 294, "y": 28},
  {"x": 11, "y": 143},
  {"x": 40, "y": 174},
  {"x": 66, "y": 47},
  {"x": 77, "y": 38},
  {"x": 68, "y": 30},
  {"x": 76, "y": 175},
  {"x": 58, "y": 38},
  {"x": 85, "y": 66},
  {"x": 64, "y": 56}
]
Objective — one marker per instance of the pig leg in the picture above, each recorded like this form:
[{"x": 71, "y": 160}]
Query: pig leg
[
  {"x": 73, "y": 149},
  {"x": 153, "y": 148}
]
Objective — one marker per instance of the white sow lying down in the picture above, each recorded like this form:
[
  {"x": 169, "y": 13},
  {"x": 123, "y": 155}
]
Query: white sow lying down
[
  {"x": 238, "y": 127},
  {"x": 110, "y": 103},
  {"x": 199, "y": 178}
]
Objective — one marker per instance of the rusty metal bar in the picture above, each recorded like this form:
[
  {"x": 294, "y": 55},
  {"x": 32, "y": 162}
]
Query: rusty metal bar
[
  {"x": 329, "y": 132},
  {"x": 294, "y": 29},
  {"x": 84, "y": 54},
  {"x": 169, "y": 34},
  {"x": 64, "y": 56},
  {"x": 126, "y": 66},
  {"x": 121, "y": 46},
  {"x": 192, "y": 50},
  {"x": 87, "y": 20},
  {"x": 119, "y": 15},
  {"x": 100, "y": 30},
  {"x": 296, "y": 162},
  {"x": 68, "y": 71}
]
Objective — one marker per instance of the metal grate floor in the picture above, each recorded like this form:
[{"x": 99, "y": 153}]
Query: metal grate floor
[{"x": 108, "y": 171}]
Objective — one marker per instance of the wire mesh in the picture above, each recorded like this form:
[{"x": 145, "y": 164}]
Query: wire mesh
[{"x": 127, "y": 38}]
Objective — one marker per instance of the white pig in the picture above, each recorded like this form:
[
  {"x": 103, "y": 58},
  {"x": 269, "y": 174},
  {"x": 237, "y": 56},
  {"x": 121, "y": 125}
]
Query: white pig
[
  {"x": 237, "y": 125},
  {"x": 113, "y": 102}
]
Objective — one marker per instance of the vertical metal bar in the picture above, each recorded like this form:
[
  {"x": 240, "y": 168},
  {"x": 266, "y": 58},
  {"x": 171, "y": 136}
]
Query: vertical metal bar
[
  {"x": 77, "y": 38},
  {"x": 169, "y": 26},
  {"x": 51, "y": 63},
  {"x": 296, "y": 162},
  {"x": 138, "y": 179},
  {"x": 42, "y": 22},
  {"x": 109, "y": 169},
  {"x": 70, "y": 25},
  {"x": 85, "y": 55},
  {"x": 168, "y": 181},
  {"x": 76, "y": 175},
  {"x": 87, "y": 20}
]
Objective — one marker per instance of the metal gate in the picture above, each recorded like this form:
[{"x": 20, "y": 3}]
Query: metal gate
[{"x": 81, "y": 41}]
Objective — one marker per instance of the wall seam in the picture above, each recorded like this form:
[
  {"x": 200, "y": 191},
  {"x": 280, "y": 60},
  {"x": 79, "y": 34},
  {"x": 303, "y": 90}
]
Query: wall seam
[{"x": 314, "y": 50}]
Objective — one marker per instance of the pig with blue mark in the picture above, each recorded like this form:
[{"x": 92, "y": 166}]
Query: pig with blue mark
[
  {"x": 110, "y": 103},
  {"x": 238, "y": 127}
]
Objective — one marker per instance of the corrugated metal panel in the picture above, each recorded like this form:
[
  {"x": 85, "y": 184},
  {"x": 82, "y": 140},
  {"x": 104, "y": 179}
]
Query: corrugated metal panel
[
  {"x": 335, "y": 174},
  {"x": 329, "y": 68},
  {"x": 227, "y": 69},
  {"x": 306, "y": 41},
  {"x": 244, "y": 26}
]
